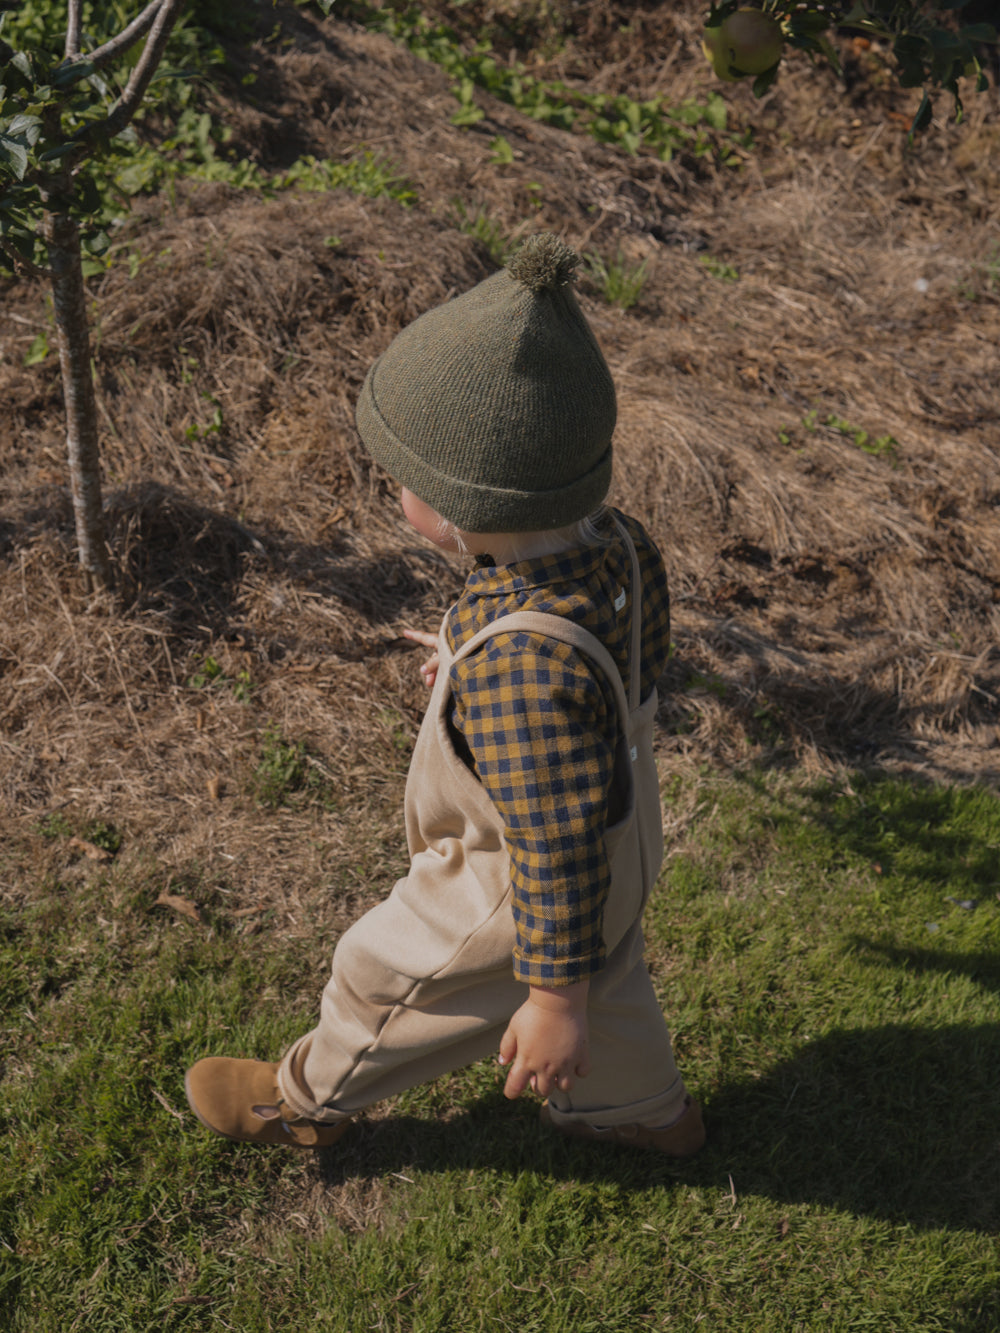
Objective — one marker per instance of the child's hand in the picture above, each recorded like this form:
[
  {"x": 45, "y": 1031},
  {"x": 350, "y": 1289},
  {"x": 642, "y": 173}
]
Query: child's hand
[
  {"x": 429, "y": 668},
  {"x": 546, "y": 1042}
]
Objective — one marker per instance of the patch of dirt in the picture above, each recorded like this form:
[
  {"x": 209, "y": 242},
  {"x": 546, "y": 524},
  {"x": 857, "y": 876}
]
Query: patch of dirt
[{"x": 836, "y": 594}]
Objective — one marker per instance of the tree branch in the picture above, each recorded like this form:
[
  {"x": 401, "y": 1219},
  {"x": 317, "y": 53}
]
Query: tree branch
[
  {"x": 128, "y": 36},
  {"x": 156, "y": 42},
  {"x": 73, "y": 29},
  {"x": 19, "y": 261}
]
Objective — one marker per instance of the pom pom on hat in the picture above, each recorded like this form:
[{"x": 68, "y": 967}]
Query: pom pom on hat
[{"x": 544, "y": 262}]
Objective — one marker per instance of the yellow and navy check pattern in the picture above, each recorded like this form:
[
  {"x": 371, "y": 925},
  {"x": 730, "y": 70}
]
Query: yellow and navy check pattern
[{"x": 539, "y": 728}]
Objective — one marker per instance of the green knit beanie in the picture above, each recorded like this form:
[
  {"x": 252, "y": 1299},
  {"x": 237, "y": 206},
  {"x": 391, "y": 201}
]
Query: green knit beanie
[{"x": 497, "y": 408}]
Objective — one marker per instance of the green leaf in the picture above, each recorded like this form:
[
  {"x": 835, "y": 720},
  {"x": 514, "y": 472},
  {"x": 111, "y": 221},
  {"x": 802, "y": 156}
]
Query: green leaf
[
  {"x": 24, "y": 242},
  {"x": 943, "y": 40},
  {"x": 910, "y": 46},
  {"x": 468, "y": 115},
  {"x": 96, "y": 243},
  {"x": 810, "y": 23},
  {"x": 923, "y": 117},
  {"x": 978, "y": 32},
  {"x": 24, "y": 127},
  {"x": 859, "y": 17},
  {"x": 763, "y": 82},
  {"x": 72, "y": 71},
  {"x": 14, "y": 155},
  {"x": 830, "y": 52},
  {"x": 53, "y": 154},
  {"x": 38, "y": 350}
]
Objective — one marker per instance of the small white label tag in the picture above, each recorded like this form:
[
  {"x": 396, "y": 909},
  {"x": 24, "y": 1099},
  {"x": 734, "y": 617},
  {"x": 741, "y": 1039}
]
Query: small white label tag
[
  {"x": 635, "y": 753},
  {"x": 620, "y": 600}
]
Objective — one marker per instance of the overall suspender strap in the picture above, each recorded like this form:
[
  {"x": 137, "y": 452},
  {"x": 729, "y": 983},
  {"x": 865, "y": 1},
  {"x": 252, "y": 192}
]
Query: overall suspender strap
[
  {"x": 567, "y": 631},
  {"x": 635, "y": 650}
]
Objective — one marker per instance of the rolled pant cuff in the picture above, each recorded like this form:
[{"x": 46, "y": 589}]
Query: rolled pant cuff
[
  {"x": 652, "y": 1112},
  {"x": 297, "y": 1096}
]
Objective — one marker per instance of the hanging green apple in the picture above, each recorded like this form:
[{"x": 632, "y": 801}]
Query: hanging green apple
[{"x": 746, "y": 43}]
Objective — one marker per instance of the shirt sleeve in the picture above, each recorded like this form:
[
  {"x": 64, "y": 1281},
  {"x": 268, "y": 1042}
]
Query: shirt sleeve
[{"x": 542, "y": 736}]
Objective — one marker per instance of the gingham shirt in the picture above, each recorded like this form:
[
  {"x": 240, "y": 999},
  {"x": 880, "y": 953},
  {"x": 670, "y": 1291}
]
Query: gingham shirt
[{"x": 539, "y": 726}]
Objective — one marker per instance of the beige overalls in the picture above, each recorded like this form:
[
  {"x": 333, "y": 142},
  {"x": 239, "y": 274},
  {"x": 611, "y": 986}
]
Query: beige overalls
[{"x": 423, "y": 983}]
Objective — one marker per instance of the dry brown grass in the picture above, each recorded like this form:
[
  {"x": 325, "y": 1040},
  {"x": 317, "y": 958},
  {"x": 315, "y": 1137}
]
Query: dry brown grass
[{"x": 831, "y": 607}]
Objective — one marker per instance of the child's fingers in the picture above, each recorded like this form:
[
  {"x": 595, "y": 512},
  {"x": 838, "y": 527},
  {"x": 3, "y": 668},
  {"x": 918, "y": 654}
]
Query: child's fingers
[
  {"x": 421, "y": 636},
  {"x": 517, "y": 1080},
  {"x": 508, "y": 1047},
  {"x": 519, "y": 1075}
]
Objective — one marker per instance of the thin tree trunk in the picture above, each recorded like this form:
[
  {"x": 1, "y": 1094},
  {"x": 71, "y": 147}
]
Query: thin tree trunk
[{"x": 63, "y": 241}]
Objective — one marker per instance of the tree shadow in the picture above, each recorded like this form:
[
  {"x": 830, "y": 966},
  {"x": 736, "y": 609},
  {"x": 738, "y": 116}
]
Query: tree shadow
[
  {"x": 787, "y": 699},
  {"x": 941, "y": 835},
  {"x": 893, "y": 1122},
  {"x": 176, "y": 557},
  {"x": 186, "y": 563},
  {"x": 983, "y": 968},
  {"x": 896, "y": 1123}
]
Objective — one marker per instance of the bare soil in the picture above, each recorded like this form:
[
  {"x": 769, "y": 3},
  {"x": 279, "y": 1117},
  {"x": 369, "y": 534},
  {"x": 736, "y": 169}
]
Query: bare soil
[{"x": 834, "y": 608}]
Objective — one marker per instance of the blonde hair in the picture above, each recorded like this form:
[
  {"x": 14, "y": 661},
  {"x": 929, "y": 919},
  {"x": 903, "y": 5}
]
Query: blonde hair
[{"x": 527, "y": 545}]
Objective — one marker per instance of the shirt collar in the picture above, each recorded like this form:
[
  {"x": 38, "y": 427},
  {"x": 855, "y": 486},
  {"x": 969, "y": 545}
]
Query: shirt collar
[{"x": 574, "y": 565}]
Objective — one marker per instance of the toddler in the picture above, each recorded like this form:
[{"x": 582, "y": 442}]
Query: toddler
[{"x": 532, "y": 805}]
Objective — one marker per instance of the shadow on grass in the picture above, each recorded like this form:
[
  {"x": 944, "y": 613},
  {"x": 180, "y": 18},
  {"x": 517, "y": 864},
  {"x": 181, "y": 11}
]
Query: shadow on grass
[
  {"x": 893, "y": 1122},
  {"x": 982, "y": 968},
  {"x": 897, "y": 1123},
  {"x": 945, "y": 835}
]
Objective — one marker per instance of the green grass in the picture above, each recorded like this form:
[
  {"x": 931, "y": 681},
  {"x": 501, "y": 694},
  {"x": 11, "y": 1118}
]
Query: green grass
[
  {"x": 834, "y": 1002},
  {"x": 619, "y": 281}
]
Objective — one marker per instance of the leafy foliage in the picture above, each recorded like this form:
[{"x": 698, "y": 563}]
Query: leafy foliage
[
  {"x": 933, "y": 47},
  {"x": 52, "y": 114},
  {"x": 48, "y": 106},
  {"x": 654, "y": 125}
]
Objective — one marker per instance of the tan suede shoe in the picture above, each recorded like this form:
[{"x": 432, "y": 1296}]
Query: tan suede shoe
[
  {"x": 682, "y": 1139},
  {"x": 239, "y": 1099}
]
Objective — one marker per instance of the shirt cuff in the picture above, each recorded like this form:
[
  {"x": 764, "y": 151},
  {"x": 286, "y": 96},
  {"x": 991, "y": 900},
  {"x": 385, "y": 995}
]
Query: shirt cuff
[{"x": 537, "y": 971}]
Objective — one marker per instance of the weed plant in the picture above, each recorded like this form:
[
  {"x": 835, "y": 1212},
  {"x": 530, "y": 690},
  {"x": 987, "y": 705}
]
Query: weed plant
[
  {"x": 883, "y": 446},
  {"x": 484, "y": 228},
  {"x": 697, "y": 128},
  {"x": 719, "y": 269},
  {"x": 619, "y": 281},
  {"x": 285, "y": 770},
  {"x": 828, "y": 958}
]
